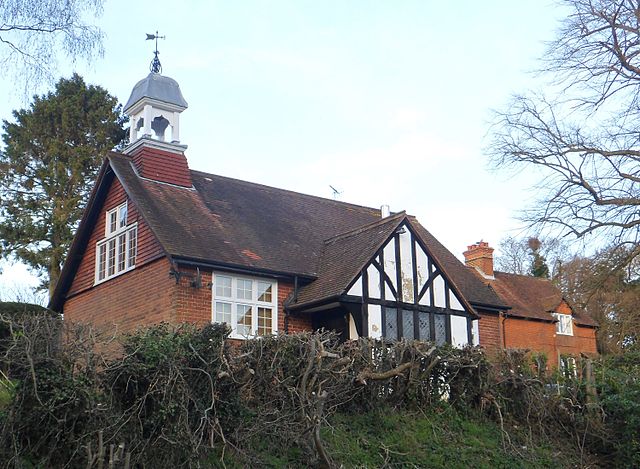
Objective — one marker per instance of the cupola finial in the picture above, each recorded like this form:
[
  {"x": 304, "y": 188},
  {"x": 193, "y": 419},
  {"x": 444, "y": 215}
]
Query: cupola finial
[{"x": 155, "y": 66}]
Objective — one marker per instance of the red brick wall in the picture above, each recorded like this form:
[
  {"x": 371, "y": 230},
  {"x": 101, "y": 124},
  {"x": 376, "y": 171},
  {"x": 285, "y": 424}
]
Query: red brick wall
[
  {"x": 583, "y": 340},
  {"x": 536, "y": 336},
  {"x": 296, "y": 323},
  {"x": 490, "y": 331},
  {"x": 194, "y": 304},
  {"x": 164, "y": 166},
  {"x": 148, "y": 247},
  {"x": 140, "y": 297}
]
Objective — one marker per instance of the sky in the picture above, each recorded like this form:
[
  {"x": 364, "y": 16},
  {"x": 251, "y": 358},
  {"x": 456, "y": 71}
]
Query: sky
[{"x": 390, "y": 102}]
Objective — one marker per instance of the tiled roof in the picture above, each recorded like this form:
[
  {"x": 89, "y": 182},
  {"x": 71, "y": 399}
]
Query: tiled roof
[
  {"x": 476, "y": 292},
  {"x": 241, "y": 223},
  {"x": 344, "y": 256},
  {"x": 228, "y": 222},
  {"x": 531, "y": 297}
]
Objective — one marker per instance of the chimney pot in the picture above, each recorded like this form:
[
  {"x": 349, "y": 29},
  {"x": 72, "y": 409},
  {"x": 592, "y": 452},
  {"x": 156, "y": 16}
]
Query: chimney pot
[{"x": 480, "y": 256}]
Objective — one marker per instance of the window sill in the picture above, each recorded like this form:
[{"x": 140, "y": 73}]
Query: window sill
[{"x": 106, "y": 279}]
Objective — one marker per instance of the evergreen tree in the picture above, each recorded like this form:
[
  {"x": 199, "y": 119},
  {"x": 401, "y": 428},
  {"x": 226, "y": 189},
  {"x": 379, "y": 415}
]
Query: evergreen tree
[
  {"x": 52, "y": 154},
  {"x": 539, "y": 267}
]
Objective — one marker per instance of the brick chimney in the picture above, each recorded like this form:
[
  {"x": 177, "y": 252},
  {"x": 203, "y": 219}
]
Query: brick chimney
[
  {"x": 480, "y": 256},
  {"x": 160, "y": 164}
]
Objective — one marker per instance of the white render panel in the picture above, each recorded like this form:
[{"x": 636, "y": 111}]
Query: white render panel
[
  {"x": 439, "y": 292},
  {"x": 375, "y": 321},
  {"x": 374, "y": 282},
  {"x": 454, "y": 303},
  {"x": 426, "y": 298},
  {"x": 353, "y": 331},
  {"x": 390, "y": 262},
  {"x": 356, "y": 288},
  {"x": 388, "y": 293},
  {"x": 423, "y": 266},
  {"x": 475, "y": 331},
  {"x": 459, "y": 336},
  {"x": 406, "y": 267}
]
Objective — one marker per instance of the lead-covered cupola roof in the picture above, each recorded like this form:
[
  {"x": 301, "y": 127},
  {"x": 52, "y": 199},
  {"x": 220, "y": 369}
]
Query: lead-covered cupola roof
[{"x": 157, "y": 87}]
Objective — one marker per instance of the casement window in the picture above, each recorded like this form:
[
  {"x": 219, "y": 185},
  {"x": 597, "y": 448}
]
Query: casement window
[
  {"x": 423, "y": 325},
  {"x": 247, "y": 304},
  {"x": 116, "y": 253},
  {"x": 568, "y": 366},
  {"x": 564, "y": 325}
]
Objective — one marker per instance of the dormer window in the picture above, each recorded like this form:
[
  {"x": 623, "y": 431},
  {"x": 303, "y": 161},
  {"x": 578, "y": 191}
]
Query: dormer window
[
  {"x": 116, "y": 253},
  {"x": 564, "y": 326}
]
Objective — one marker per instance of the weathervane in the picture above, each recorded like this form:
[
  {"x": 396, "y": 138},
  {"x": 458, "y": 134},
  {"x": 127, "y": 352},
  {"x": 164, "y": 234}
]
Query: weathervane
[{"x": 155, "y": 66}]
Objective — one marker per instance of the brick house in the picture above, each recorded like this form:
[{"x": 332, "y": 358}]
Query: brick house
[
  {"x": 539, "y": 318},
  {"x": 161, "y": 242}
]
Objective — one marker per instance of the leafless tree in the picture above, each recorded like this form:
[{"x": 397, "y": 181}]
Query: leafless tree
[
  {"x": 515, "y": 254},
  {"x": 606, "y": 286},
  {"x": 583, "y": 133},
  {"x": 33, "y": 33}
]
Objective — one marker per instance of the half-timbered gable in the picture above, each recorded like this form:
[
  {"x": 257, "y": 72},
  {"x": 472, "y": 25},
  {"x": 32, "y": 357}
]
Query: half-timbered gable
[{"x": 386, "y": 284}]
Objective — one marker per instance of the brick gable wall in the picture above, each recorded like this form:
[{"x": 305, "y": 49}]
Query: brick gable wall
[
  {"x": 143, "y": 296},
  {"x": 148, "y": 247},
  {"x": 537, "y": 336}
]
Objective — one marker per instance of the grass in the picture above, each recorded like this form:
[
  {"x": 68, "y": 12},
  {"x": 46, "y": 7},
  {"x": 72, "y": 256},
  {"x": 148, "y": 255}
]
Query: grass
[
  {"x": 440, "y": 438},
  {"x": 6, "y": 392}
]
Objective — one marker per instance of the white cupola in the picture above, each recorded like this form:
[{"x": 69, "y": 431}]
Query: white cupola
[
  {"x": 154, "y": 109},
  {"x": 154, "y": 106}
]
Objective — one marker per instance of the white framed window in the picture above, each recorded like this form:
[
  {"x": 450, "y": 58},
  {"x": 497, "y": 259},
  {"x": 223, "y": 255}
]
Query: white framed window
[
  {"x": 116, "y": 219},
  {"x": 568, "y": 366},
  {"x": 116, "y": 253},
  {"x": 247, "y": 304},
  {"x": 564, "y": 325}
]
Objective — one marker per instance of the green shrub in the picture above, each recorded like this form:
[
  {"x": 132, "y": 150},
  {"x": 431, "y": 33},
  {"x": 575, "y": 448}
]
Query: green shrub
[{"x": 618, "y": 384}]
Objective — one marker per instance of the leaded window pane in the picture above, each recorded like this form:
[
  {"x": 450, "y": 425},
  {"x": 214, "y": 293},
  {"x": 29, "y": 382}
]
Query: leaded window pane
[
  {"x": 122, "y": 251},
  {"x": 244, "y": 319},
  {"x": 122, "y": 215},
  {"x": 407, "y": 324},
  {"x": 391, "y": 323},
  {"x": 113, "y": 221},
  {"x": 441, "y": 329},
  {"x": 223, "y": 312},
  {"x": 133, "y": 246},
  {"x": 264, "y": 321},
  {"x": 424, "y": 326},
  {"x": 111, "y": 257},
  {"x": 244, "y": 289},
  {"x": 264, "y": 291},
  {"x": 102, "y": 261},
  {"x": 223, "y": 286}
]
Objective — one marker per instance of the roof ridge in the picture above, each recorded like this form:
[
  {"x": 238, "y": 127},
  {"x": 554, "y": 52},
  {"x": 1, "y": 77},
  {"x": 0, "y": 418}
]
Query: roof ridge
[
  {"x": 289, "y": 191},
  {"x": 533, "y": 277},
  {"x": 363, "y": 228}
]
